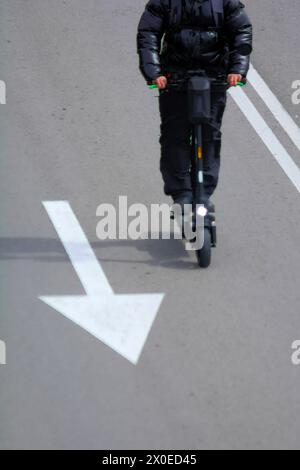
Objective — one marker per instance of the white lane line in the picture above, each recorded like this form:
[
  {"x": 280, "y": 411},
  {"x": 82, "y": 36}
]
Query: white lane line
[
  {"x": 267, "y": 136},
  {"x": 274, "y": 105},
  {"x": 122, "y": 322},
  {"x": 78, "y": 248},
  {"x": 2, "y": 353}
]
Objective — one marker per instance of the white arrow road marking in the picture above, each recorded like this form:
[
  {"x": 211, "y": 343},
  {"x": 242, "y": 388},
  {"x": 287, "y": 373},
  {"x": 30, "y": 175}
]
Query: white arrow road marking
[
  {"x": 274, "y": 105},
  {"x": 267, "y": 136},
  {"x": 122, "y": 322}
]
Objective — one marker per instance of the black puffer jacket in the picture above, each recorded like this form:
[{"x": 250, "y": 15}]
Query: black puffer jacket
[{"x": 196, "y": 42}]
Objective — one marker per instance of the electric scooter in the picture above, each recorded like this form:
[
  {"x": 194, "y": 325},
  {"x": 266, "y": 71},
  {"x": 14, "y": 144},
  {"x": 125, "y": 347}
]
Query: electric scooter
[{"x": 199, "y": 87}]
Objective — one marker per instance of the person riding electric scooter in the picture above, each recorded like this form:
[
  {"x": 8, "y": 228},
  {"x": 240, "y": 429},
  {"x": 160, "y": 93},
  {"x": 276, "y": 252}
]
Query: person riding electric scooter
[{"x": 177, "y": 36}]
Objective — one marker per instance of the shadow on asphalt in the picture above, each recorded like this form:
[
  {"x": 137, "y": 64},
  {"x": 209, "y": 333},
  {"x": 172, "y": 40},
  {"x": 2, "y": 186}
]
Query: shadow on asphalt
[{"x": 165, "y": 253}]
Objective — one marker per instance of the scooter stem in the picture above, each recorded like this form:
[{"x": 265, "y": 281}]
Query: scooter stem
[{"x": 198, "y": 155}]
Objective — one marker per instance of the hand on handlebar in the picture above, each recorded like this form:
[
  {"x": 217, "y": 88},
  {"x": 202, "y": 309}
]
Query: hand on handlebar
[
  {"x": 161, "y": 82},
  {"x": 234, "y": 78}
]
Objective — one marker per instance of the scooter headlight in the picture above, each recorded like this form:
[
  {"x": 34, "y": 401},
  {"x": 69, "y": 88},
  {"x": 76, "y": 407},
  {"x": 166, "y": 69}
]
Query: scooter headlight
[{"x": 202, "y": 211}]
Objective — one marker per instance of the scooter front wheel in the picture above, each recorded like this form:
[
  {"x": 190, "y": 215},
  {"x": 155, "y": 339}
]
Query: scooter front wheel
[{"x": 204, "y": 255}]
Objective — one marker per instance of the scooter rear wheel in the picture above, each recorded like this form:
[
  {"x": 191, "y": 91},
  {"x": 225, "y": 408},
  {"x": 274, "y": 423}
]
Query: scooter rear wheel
[{"x": 204, "y": 255}]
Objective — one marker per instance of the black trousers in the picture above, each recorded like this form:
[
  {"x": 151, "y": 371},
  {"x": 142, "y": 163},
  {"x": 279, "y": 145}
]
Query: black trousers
[{"x": 176, "y": 151}]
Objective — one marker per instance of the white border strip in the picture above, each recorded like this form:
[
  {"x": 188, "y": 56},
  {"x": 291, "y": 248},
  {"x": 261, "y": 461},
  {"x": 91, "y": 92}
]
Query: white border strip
[
  {"x": 274, "y": 105},
  {"x": 267, "y": 136}
]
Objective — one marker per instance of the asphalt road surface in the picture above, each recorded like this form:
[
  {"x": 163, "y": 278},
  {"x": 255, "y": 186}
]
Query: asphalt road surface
[{"x": 80, "y": 126}]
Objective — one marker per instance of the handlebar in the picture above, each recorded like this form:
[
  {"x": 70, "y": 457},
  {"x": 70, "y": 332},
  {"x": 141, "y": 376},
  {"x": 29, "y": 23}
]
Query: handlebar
[{"x": 177, "y": 83}]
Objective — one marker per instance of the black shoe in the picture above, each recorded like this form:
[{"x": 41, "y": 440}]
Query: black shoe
[
  {"x": 183, "y": 200},
  {"x": 210, "y": 207}
]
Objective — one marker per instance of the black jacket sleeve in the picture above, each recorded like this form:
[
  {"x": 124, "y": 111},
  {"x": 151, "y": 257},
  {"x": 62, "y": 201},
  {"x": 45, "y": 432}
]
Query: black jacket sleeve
[
  {"x": 238, "y": 30},
  {"x": 151, "y": 28}
]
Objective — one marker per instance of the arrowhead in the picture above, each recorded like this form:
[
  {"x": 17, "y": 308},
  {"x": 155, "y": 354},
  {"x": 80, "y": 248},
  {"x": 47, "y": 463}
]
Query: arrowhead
[{"x": 122, "y": 322}]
